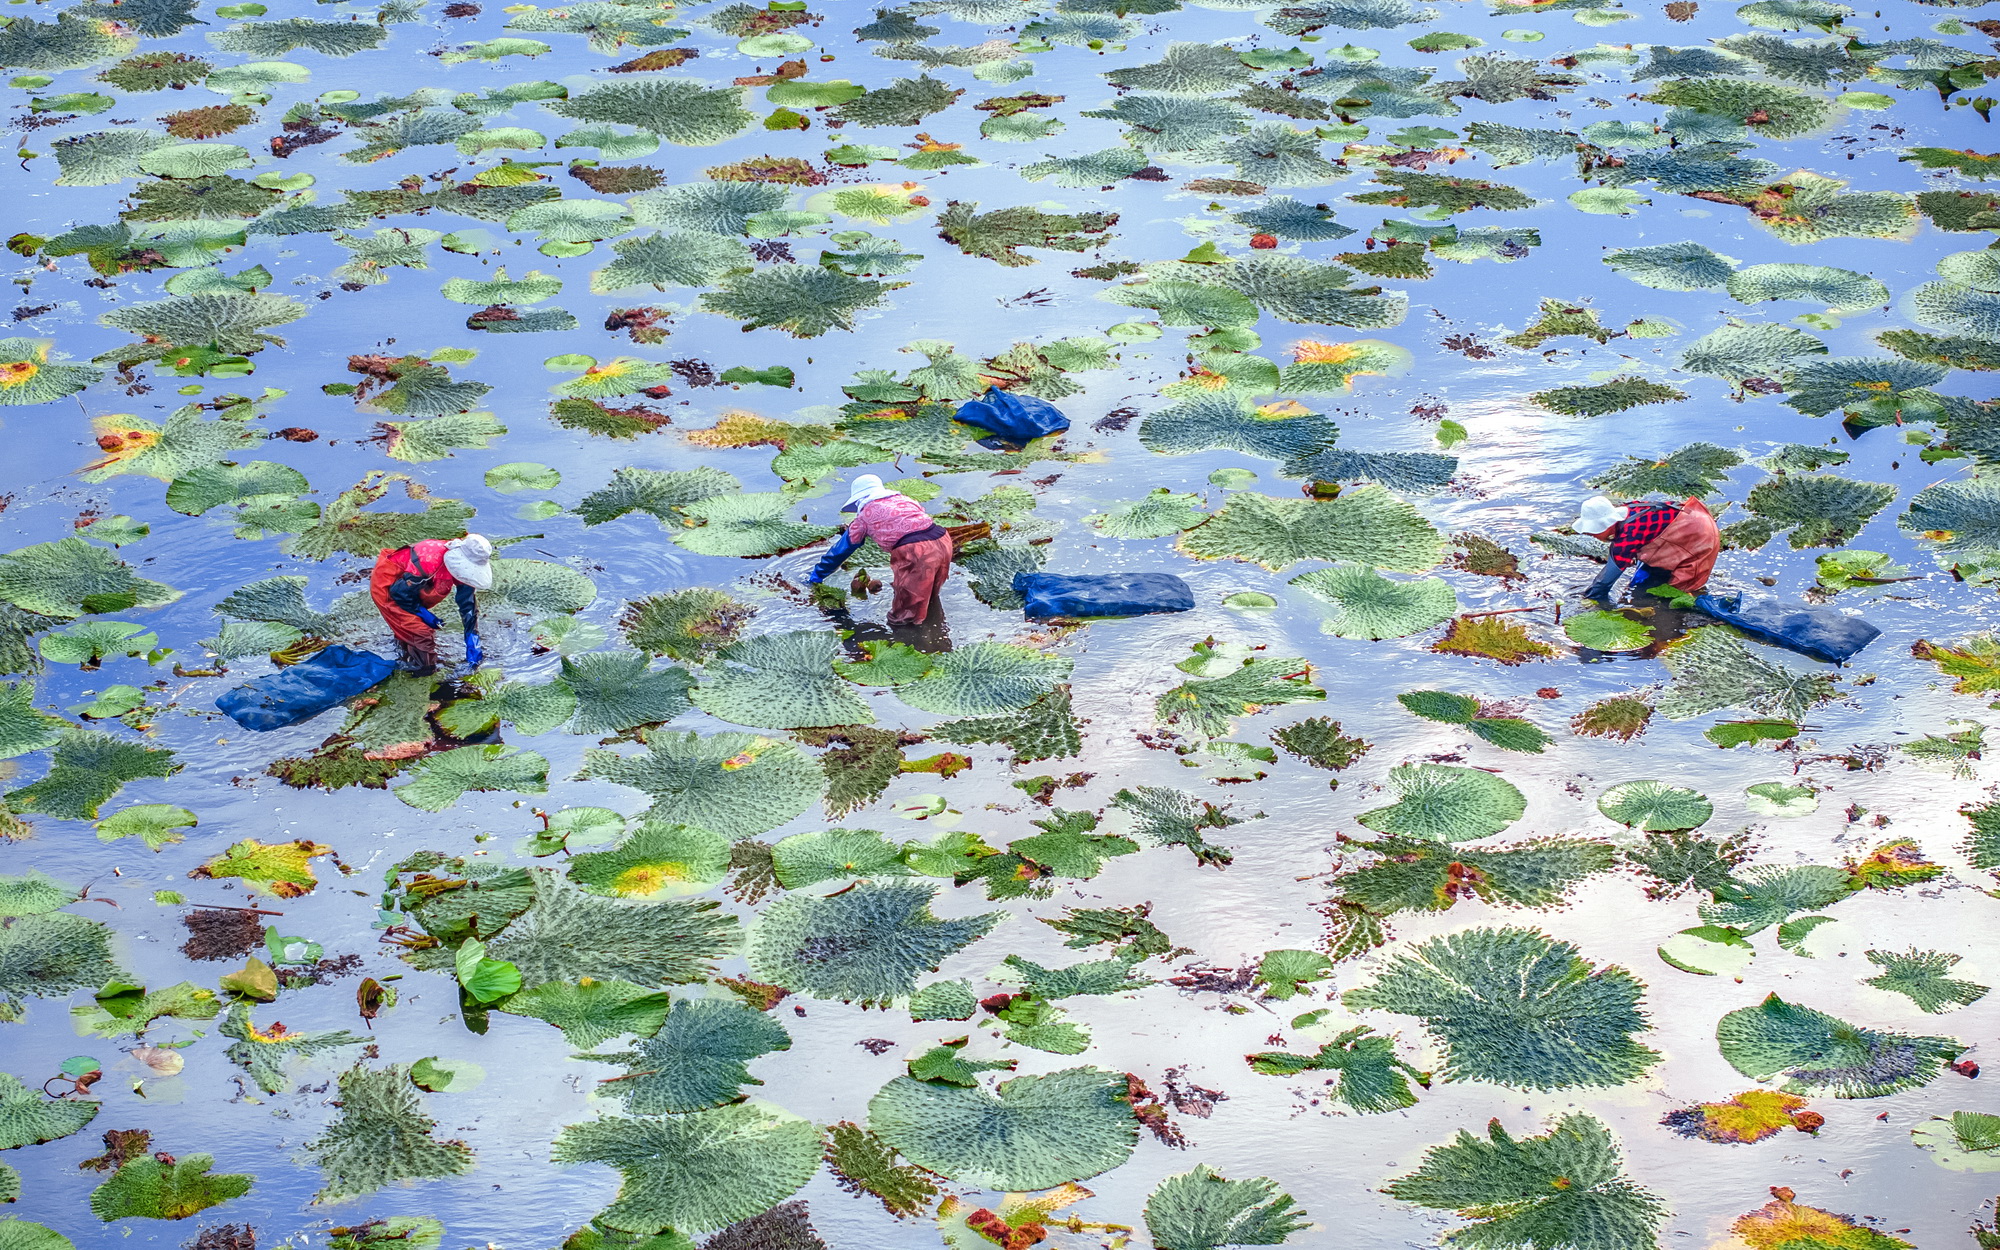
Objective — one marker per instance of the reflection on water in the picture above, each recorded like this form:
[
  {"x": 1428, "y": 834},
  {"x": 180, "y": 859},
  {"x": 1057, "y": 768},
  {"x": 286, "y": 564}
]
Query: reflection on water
[{"x": 1522, "y": 471}]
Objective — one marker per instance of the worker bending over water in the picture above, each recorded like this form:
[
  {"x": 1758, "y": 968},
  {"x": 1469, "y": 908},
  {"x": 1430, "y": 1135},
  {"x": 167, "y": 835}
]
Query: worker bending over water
[
  {"x": 410, "y": 581},
  {"x": 1672, "y": 544},
  {"x": 919, "y": 548}
]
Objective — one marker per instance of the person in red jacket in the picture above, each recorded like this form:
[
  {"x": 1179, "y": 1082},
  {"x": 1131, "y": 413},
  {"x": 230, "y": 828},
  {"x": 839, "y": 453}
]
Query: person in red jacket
[
  {"x": 919, "y": 548},
  {"x": 410, "y": 581}
]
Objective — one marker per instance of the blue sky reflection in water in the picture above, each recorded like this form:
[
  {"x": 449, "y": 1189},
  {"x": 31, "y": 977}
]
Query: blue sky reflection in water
[{"x": 515, "y": 266}]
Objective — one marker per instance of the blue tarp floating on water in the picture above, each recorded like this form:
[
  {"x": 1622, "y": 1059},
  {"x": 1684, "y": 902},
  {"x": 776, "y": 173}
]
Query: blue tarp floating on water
[
  {"x": 1016, "y": 418},
  {"x": 1102, "y": 594},
  {"x": 1823, "y": 633},
  {"x": 303, "y": 691}
]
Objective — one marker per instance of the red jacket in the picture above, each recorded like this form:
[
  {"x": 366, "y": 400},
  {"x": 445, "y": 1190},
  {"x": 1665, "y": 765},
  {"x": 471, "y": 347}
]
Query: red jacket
[{"x": 412, "y": 577}]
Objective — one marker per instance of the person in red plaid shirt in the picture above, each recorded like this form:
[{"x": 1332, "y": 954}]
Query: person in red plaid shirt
[{"x": 1628, "y": 528}]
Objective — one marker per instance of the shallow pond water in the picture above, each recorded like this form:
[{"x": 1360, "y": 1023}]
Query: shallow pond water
[{"x": 1521, "y": 470}]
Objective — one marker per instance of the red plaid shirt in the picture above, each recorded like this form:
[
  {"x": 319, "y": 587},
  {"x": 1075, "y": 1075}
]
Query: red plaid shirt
[{"x": 1642, "y": 524}]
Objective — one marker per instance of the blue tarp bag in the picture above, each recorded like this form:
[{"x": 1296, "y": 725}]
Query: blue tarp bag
[
  {"x": 303, "y": 691},
  {"x": 1821, "y": 632},
  {"x": 1016, "y": 418},
  {"x": 1102, "y": 594}
]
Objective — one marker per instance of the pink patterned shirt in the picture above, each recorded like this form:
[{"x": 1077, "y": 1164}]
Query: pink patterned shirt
[{"x": 889, "y": 519}]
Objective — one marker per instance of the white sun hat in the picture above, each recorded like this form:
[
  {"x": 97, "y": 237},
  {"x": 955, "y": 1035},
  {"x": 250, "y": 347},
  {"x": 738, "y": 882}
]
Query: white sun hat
[
  {"x": 866, "y": 489},
  {"x": 1599, "y": 514},
  {"x": 470, "y": 560}
]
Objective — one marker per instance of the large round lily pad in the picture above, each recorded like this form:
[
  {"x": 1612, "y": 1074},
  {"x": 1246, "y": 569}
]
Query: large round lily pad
[
  {"x": 1033, "y": 1132},
  {"x": 1655, "y": 806}
]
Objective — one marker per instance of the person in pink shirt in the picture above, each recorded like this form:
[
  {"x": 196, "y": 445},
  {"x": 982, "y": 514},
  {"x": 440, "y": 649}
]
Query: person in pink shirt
[{"x": 919, "y": 548}]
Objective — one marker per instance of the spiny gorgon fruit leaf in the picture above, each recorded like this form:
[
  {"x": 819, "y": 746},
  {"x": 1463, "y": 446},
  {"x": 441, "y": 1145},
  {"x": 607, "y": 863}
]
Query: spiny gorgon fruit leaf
[
  {"x": 1371, "y": 1079},
  {"x": 1819, "y": 1056},
  {"x": 737, "y": 784},
  {"x": 263, "y": 1054},
  {"x": 1446, "y": 804},
  {"x": 1564, "y": 1188},
  {"x": 27, "y": 1118},
  {"x": 1169, "y": 817},
  {"x": 1369, "y": 526},
  {"x": 1199, "y": 1210},
  {"x": 1712, "y": 669},
  {"x": 1371, "y": 606},
  {"x": 23, "y": 726},
  {"x": 87, "y": 769},
  {"x": 570, "y": 933},
  {"x": 697, "y": 1060},
  {"x": 1774, "y": 111},
  {"x": 863, "y": 1163},
  {"x": 233, "y": 322},
  {"x": 1616, "y": 395},
  {"x": 904, "y": 102},
  {"x": 1206, "y": 705},
  {"x": 1188, "y": 69},
  {"x": 1046, "y": 729},
  {"x": 1518, "y": 1008},
  {"x": 270, "y": 40},
  {"x": 1416, "y": 874},
  {"x": 70, "y": 578},
  {"x": 678, "y": 110},
  {"x": 1673, "y": 266},
  {"x": 1032, "y": 1132},
  {"x": 1820, "y": 509},
  {"x": 1445, "y": 195},
  {"x": 697, "y": 1173},
  {"x": 49, "y": 956},
  {"x": 999, "y": 235},
  {"x": 150, "y": 1187},
  {"x": 438, "y": 781},
  {"x": 1696, "y": 469},
  {"x": 27, "y": 377},
  {"x": 381, "y": 1137},
  {"x": 781, "y": 681},
  {"x": 868, "y": 944},
  {"x": 686, "y": 624},
  {"x": 1920, "y": 977},
  {"x": 803, "y": 300},
  {"x": 985, "y": 677},
  {"x": 1782, "y": 1224},
  {"x": 590, "y": 1011}
]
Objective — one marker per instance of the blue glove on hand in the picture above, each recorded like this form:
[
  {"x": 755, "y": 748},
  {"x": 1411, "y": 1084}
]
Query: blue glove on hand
[
  {"x": 475, "y": 655},
  {"x": 843, "y": 547},
  {"x": 428, "y": 617}
]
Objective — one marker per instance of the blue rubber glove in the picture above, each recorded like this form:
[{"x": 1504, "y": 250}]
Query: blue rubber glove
[
  {"x": 842, "y": 548},
  {"x": 428, "y": 617},
  {"x": 475, "y": 655}
]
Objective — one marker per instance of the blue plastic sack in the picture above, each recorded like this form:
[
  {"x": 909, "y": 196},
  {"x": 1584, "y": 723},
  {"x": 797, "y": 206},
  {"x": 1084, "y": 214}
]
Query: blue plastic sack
[
  {"x": 1016, "y": 418},
  {"x": 1823, "y": 633},
  {"x": 1101, "y": 594},
  {"x": 303, "y": 691}
]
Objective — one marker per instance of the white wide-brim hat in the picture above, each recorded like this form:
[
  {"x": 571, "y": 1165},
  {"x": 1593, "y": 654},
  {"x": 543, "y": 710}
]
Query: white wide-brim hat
[
  {"x": 470, "y": 560},
  {"x": 1598, "y": 514},
  {"x": 866, "y": 489}
]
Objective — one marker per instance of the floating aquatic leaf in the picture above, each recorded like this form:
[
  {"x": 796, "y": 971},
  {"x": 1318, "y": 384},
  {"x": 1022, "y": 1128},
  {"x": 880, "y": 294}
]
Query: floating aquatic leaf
[
  {"x": 1607, "y": 631},
  {"x": 867, "y": 944},
  {"x": 697, "y": 1060},
  {"x": 1367, "y": 526},
  {"x": 1966, "y": 1141},
  {"x": 1819, "y": 1055},
  {"x": 1046, "y": 729},
  {"x": 440, "y": 780},
  {"x": 1446, "y": 804},
  {"x": 86, "y": 770},
  {"x": 162, "y": 1187},
  {"x": 1492, "y": 638},
  {"x": 1564, "y": 1187},
  {"x": 1372, "y": 606},
  {"x": 1920, "y": 977},
  {"x": 656, "y": 860},
  {"x": 1712, "y": 669},
  {"x": 590, "y": 1011},
  {"x": 735, "y": 784},
  {"x": 1484, "y": 992},
  {"x": 1655, "y": 806},
  {"x": 26, "y": 1118},
  {"x": 1035, "y": 1132},
  {"x": 1200, "y": 1210},
  {"x": 381, "y": 1137},
  {"x": 264, "y": 1054}
]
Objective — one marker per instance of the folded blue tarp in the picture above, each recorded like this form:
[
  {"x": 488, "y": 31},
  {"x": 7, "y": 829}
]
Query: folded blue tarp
[
  {"x": 303, "y": 691},
  {"x": 1823, "y": 633},
  {"x": 1102, "y": 594},
  {"x": 1016, "y": 418}
]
